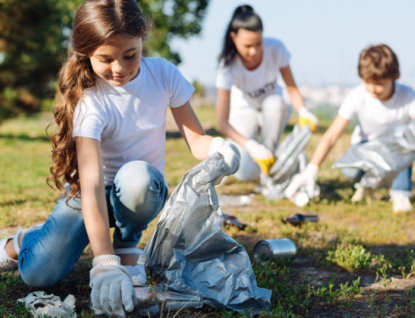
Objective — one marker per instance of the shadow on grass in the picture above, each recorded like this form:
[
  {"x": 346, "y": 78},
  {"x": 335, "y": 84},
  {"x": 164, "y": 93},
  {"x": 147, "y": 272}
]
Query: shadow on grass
[
  {"x": 177, "y": 134},
  {"x": 24, "y": 137},
  {"x": 12, "y": 202},
  {"x": 329, "y": 189}
]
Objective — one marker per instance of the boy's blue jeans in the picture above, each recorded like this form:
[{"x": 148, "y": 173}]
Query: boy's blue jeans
[
  {"x": 402, "y": 183},
  {"x": 136, "y": 197}
]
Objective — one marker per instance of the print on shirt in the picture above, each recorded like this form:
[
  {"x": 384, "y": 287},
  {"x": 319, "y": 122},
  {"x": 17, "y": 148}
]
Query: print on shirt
[{"x": 268, "y": 88}]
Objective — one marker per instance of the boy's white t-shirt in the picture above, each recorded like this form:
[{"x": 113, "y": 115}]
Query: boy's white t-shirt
[
  {"x": 130, "y": 121},
  {"x": 249, "y": 88},
  {"x": 376, "y": 117}
]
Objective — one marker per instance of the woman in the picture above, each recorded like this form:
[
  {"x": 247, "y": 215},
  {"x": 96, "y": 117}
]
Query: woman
[{"x": 249, "y": 101}]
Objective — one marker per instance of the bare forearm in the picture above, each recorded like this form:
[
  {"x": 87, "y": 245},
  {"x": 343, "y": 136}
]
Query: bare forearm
[
  {"x": 296, "y": 98},
  {"x": 200, "y": 147},
  {"x": 95, "y": 216},
  {"x": 227, "y": 130},
  {"x": 94, "y": 205},
  {"x": 329, "y": 139},
  {"x": 323, "y": 148}
]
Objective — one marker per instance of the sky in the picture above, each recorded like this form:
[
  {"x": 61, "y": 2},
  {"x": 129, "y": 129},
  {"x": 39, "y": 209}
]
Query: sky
[{"x": 324, "y": 37}]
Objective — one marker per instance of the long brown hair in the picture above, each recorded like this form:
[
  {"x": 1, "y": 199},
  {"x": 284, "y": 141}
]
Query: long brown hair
[{"x": 95, "y": 22}]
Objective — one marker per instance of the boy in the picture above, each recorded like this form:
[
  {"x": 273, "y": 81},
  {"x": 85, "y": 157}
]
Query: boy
[{"x": 380, "y": 105}]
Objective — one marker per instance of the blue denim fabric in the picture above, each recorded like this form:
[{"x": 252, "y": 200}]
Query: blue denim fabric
[
  {"x": 135, "y": 199},
  {"x": 401, "y": 183}
]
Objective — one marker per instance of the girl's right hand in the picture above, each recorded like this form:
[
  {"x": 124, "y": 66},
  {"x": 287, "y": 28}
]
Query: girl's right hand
[
  {"x": 112, "y": 287},
  {"x": 261, "y": 155},
  {"x": 229, "y": 152}
]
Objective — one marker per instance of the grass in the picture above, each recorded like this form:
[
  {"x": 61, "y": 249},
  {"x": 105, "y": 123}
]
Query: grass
[{"x": 357, "y": 261}]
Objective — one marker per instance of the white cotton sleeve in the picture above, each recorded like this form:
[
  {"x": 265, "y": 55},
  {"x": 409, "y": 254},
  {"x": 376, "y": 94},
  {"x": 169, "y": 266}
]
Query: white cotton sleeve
[
  {"x": 180, "y": 90},
  {"x": 282, "y": 54},
  {"x": 90, "y": 118},
  {"x": 224, "y": 77},
  {"x": 353, "y": 100},
  {"x": 412, "y": 106}
]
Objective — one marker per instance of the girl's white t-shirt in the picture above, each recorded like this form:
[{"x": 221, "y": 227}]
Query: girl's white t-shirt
[
  {"x": 130, "y": 121},
  {"x": 376, "y": 117},
  {"x": 249, "y": 88}
]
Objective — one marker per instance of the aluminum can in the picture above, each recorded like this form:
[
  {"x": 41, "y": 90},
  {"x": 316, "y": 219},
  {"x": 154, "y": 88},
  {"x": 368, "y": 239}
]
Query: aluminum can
[{"x": 269, "y": 250}]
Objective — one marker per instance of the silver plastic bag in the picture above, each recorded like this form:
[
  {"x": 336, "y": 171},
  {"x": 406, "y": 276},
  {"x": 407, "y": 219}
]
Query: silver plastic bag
[
  {"x": 381, "y": 159},
  {"x": 291, "y": 159},
  {"x": 190, "y": 254}
]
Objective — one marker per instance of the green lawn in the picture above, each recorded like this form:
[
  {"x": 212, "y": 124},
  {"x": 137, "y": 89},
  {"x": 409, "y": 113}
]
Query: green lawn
[{"x": 357, "y": 261}]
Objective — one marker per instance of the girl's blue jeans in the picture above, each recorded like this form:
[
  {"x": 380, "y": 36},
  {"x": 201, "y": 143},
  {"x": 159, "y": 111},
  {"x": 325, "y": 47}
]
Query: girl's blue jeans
[{"x": 136, "y": 197}]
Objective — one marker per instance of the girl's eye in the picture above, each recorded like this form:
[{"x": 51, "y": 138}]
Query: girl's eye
[
  {"x": 105, "y": 61},
  {"x": 129, "y": 57}
]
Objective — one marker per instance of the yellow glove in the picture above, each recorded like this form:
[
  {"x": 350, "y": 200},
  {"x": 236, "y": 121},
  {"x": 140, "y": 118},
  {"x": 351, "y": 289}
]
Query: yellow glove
[
  {"x": 266, "y": 164},
  {"x": 305, "y": 117},
  {"x": 261, "y": 155}
]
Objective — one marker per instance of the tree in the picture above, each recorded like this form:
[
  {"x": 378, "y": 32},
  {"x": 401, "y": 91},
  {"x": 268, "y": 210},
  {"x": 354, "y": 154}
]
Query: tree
[
  {"x": 32, "y": 46},
  {"x": 172, "y": 18},
  {"x": 34, "y": 37}
]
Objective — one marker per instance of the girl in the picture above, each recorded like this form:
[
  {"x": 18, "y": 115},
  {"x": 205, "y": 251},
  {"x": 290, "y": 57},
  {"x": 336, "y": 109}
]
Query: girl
[
  {"x": 109, "y": 150},
  {"x": 249, "y": 100}
]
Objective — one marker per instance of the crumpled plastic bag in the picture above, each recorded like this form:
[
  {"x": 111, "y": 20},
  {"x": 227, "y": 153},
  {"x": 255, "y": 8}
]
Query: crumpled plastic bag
[
  {"x": 381, "y": 159},
  {"x": 39, "y": 304},
  {"x": 190, "y": 254},
  {"x": 291, "y": 159}
]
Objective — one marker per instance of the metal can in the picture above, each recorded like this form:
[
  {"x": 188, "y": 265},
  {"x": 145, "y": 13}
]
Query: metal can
[{"x": 270, "y": 250}]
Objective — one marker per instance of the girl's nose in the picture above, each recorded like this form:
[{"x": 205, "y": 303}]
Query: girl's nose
[{"x": 117, "y": 67}]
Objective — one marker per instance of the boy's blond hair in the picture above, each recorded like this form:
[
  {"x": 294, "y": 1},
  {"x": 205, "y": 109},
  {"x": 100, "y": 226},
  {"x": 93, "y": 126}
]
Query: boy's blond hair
[{"x": 378, "y": 62}]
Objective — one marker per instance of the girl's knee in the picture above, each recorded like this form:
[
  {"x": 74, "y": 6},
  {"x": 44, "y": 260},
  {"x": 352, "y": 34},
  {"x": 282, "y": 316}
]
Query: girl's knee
[
  {"x": 39, "y": 276},
  {"x": 138, "y": 186}
]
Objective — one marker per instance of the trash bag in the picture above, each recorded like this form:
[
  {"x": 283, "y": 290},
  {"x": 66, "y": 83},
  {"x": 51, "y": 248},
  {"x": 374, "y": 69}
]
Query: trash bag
[
  {"x": 381, "y": 159},
  {"x": 190, "y": 254},
  {"x": 291, "y": 159}
]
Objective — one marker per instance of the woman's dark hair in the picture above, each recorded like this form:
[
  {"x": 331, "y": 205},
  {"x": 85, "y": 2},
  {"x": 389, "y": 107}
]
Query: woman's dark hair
[
  {"x": 96, "y": 21},
  {"x": 244, "y": 17}
]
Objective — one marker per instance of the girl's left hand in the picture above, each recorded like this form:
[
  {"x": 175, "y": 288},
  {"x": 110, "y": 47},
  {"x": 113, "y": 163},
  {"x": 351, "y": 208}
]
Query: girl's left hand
[{"x": 229, "y": 152}]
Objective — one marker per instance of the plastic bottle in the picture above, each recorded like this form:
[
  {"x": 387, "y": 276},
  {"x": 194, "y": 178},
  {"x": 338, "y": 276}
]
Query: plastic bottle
[
  {"x": 152, "y": 300},
  {"x": 299, "y": 198},
  {"x": 235, "y": 200}
]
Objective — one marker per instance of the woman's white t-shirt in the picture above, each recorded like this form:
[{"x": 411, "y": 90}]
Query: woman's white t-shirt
[
  {"x": 130, "y": 121},
  {"x": 249, "y": 88},
  {"x": 376, "y": 117}
]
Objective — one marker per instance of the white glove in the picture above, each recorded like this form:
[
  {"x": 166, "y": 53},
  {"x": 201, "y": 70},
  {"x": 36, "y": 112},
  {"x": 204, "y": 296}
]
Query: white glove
[
  {"x": 229, "y": 152},
  {"x": 306, "y": 117},
  {"x": 261, "y": 155},
  {"x": 307, "y": 178},
  {"x": 112, "y": 287}
]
